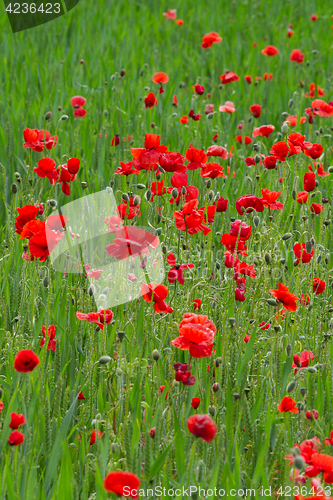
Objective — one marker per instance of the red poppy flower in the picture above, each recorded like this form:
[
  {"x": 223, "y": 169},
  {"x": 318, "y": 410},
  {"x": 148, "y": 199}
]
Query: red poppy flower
[
  {"x": 160, "y": 78},
  {"x": 156, "y": 293},
  {"x": 1, "y": 406},
  {"x": 237, "y": 227},
  {"x": 51, "y": 332},
  {"x": 81, "y": 396},
  {"x": 199, "y": 89},
  {"x": 228, "y": 107},
  {"x": 268, "y": 76},
  {"x": 172, "y": 162},
  {"x": 221, "y": 204},
  {"x": 309, "y": 181},
  {"x": 318, "y": 285},
  {"x": 180, "y": 22},
  {"x": 264, "y": 326},
  {"x": 302, "y": 360},
  {"x": 313, "y": 91},
  {"x": 26, "y": 214},
  {"x": 184, "y": 119},
  {"x": 115, "y": 141},
  {"x": 177, "y": 271},
  {"x": 152, "y": 432},
  {"x": 246, "y": 269},
  {"x": 290, "y": 33},
  {"x": 270, "y": 162},
  {"x": 310, "y": 415},
  {"x": 171, "y": 14},
  {"x": 314, "y": 17},
  {"x": 196, "y": 335},
  {"x": 314, "y": 152},
  {"x": 209, "y": 39},
  {"x": 174, "y": 101},
  {"x": 248, "y": 203},
  {"x": 255, "y": 110},
  {"x": 17, "y": 419},
  {"x": 202, "y": 426},
  {"x": 147, "y": 158},
  {"x": 131, "y": 241},
  {"x": 16, "y": 438},
  {"x": 209, "y": 109},
  {"x": 302, "y": 197},
  {"x": 299, "y": 142},
  {"x": 287, "y": 405},
  {"x": 93, "y": 435},
  {"x": 77, "y": 102},
  {"x": 190, "y": 220},
  {"x": 150, "y": 100},
  {"x": 126, "y": 169},
  {"x": 248, "y": 78},
  {"x": 42, "y": 243},
  {"x": 217, "y": 151},
  {"x": 196, "y": 157},
  {"x": 286, "y": 298},
  {"x": 25, "y": 361},
  {"x": 31, "y": 140},
  {"x": 319, "y": 168},
  {"x": 197, "y": 303},
  {"x": 305, "y": 300},
  {"x": 297, "y": 56},
  {"x": 247, "y": 140},
  {"x": 196, "y": 401},
  {"x": 270, "y": 50},
  {"x": 281, "y": 151},
  {"x": 316, "y": 208},
  {"x": 212, "y": 170},
  {"x": 229, "y": 242},
  {"x": 269, "y": 199},
  {"x": 46, "y": 168},
  {"x": 300, "y": 252},
  {"x": 101, "y": 317},
  {"x": 229, "y": 77},
  {"x": 122, "y": 484}
]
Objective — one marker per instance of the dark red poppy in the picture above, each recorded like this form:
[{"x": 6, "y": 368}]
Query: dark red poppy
[
  {"x": 249, "y": 203},
  {"x": 16, "y": 438},
  {"x": 221, "y": 204},
  {"x": 270, "y": 162},
  {"x": 196, "y": 402},
  {"x": 176, "y": 273},
  {"x": 172, "y": 162},
  {"x": 150, "y": 100},
  {"x": 241, "y": 229},
  {"x": 229, "y": 77},
  {"x": 286, "y": 298},
  {"x": 26, "y": 214},
  {"x": 250, "y": 162},
  {"x": 42, "y": 243},
  {"x": 197, "y": 303},
  {"x": 318, "y": 285},
  {"x": 115, "y": 141},
  {"x": 314, "y": 152},
  {"x": 270, "y": 50},
  {"x": 122, "y": 484},
  {"x": 209, "y": 39},
  {"x": 199, "y": 89},
  {"x": 81, "y": 396},
  {"x": 153, "y": 292},
  {"x": 93, "y": 435},
  {"x": 255, "y": 110},
  {"x": 269, "y": 199},
  {"x": 17, "y": 419},
  {"x": 51, "y": 332},
  {"x": 288, "y": 405},
  {"x": 309, "y": 181},
  {"x": 202, "y": 426},
  {"x": 301, "y": 253},
  {"x": 248, "y": 78},
  {"x": 152, "y": 432},
  {"x": 263, "y": 131},
  {"x": 25, "y": 361}
]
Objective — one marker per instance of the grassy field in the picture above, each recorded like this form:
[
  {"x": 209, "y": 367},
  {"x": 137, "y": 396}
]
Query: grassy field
[{"x": 108, "y": 52}]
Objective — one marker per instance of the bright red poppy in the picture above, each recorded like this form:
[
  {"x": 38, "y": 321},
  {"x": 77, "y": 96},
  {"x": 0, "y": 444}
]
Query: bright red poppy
[
  {"x": 126, "y": 169},
  {"x": 286, "y": 298},
  {"x": 25, "y": 361},
  {"x": 196, "y": 402},
  {"x": 26, "y": 214},
  {"x": 316, "y": 208},
  {"x": 212, "y": 170},
  {"x": 229, "y": 77},
  {"x": 309, "y": 181},
  {"x": 202, "y": 426},
  {"x": 241, "y": 229},
  {"x": 16, "y": 438},
  {"x": 228, "y": 107},
  {"x": 198, "y": 89},
  {"x": 122, "y": 484},
  {"x": 313, "y": 91},
  {"x": 281, "y": 151},
  {"x": 150, "y": 100},
  {"x": 229, "y": 242},
  {"x": 302, "y": 197},
  {"x": 301, "y": 253},
  {"x": 196, "y": 157},
  {"x": 221, "y": 204},
  {"x": 17, "y": 419},
  {"x": 46, "y": 168},
  {"x": 314, "y": 152},
  {"x": 191, "y": 220},
  {"x": 153, "y": 292},
  {"x": 101, "y": 317},
  {"x": 270, "y": 162},
  {"x": 297, "y": 56},
  {"x": 269, "y": 199},
  {"x": 246, "y": 140},
  {"x": 172, "y": 162},
  {"x": 147, "y": 158},
  {"x": 77, "y": 102},
  {"x": 176, "y": 273},
  {"x": 160, "y": 78},
  {"x": 219, "y": 151},
  {"x": 255, "y": 110},
  {"x": 287, "y": 405},
  {"x": 270, "y": 50},
  {"x": 196, "y": 335},
  {"x": 51, "y": 332},
  {"x": 209, "y": 39},
  {"x": 249, "y": 203},
  {"x": 318, "y": 286},
  {"x": 197, "y": 303}
]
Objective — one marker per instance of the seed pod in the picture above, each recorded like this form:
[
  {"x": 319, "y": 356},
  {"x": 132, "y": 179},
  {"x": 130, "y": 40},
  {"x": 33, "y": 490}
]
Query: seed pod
[
  {"x": 256, "y": 261},
  {"x": 330, "y": 170},
  {"x": 232, "y": 321},
  {"x": 291, "y": 103},
  {"x": 174, "y": 192},
  {"x": 119, "y": 372},
  {"x": 303, "y": 391},
  {"x": 319, "y": 259},
  {"x": 64, "y": 117},
  {"x": 53, "y": 203},
  {"x": 299, "y": 463},
  {"x": 218, "y": 265},
  {"x": 289, "y": 350},
  {"x": 121, "y": 336},
  {"x": 311, "y": 369},
  {"x": 148, "y": 195},
  {"x": 218, "y": 362},
  {"x": 156, "y": 355},
  {"x": 14, "y": 188},
  {"x": 272, "y": 302},
  {"x": 291, "y": 386},
  {"x": 164, "y": 249},
  {"x": 114, "y": 447},
  {"x": 268, "y": 258},
  {"x": 208, "y": 183},
  {"x": 256, "y": 147},
  {"x": 45, "y": 281},
  {"x": 91, "y": 290},
  {"x": 183, "y": 190},
  {"x": 256, "y": 220},
  {"x": 210, "y": 116},
  {"x": 111, "y": 183},
  {"x": 294, "y": 194},
  {"x": 136, "y": 200},
  {"x": 308, "y": 246},
  {"x": 104, "y": 360},
  {"x": 327, "y": 222},
  {"x": 158, "y": 177},
  {"x": 277, "y": 328},
  {"x": 158, "y": 231},
  {"x": 47, "y": 115},
  {"x": 125, "y": 196},
  {"x": 211, "y": 194},
  {"x": 84, "y": 184},
  {"x": 283, "y": 260},
  {"x": 141, "y": 186},
  {"x": 327, "y": 136}
]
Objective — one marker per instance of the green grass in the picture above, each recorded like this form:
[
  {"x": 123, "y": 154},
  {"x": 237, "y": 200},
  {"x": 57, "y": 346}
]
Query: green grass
[{"x": 40, "y": 71}]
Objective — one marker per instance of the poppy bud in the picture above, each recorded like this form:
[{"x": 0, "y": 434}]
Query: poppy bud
[
  {"x": 330, "y": 169},
  {"x": 53, "y": 203},
  {"x": 119, "y": 372},
  {"x": 91, "y": 290},
  {"x": 14, "y": 188},
  {"x": 232, "y": 321},
  {"x": 268, "y": 258},
  {"x": 257, "y": 159},
  {"x": 164, "y": 249},
  {"x": 208, "y": 183},
  {"x": 122, "y": 73},
  {"x": 84, "y": 184},
  {"x": 104, "y": 360},
  {"x": 211, "y": 195},
  {"x": 282, "y": 261},
  {"x": 111, "y": 183},
  {"x": 158, "y": 177},
  {"x": 218, "y": 362},
  {"x": 17, "y": 175},
  {"x": 294, "y": 194},
  {"x": 47, "y": 115},
  {"x": 121, "y": 336},
  {"x": 141, "y": 186},
  {"x": 313, "y": 195},
  {"x": 299, "y": 462},
  {"x": 212, "y": 410},
  {"x": 114, "y": 448},
  {"x": 183, "y": 190},
  {"x": 64, "y": 117},
  {"x": 216, "y": 387},
  {"x": 327, "y": 222},
  {"x": 308, "y": 246},
  {"x": 285, "y": 128},
  {"x": 285, "y": 114},
  {"x": 148, "y": 195},
  {"x": 112, "y": 78},
  {"x": 210, "y": 116},
  {"x": 256, "y": 220},
  {"x": 303, "y": 391},
  {"x": 141, "y": 73},
  {"x": 327, "y": 136},
  {"x": 158, "y": 231},
  {"x": 287, "y": 236},
  {"x": 174, "y": 192},
  {"x": 218, "y": 265},
  {"x": 45, "y": 281},
  {"x": 319, "y": 259},
  {"x": 311, "y": 369},
  {"x": 272, "y": 302},
  {"x": 125, "y": 196},
  {"x": 182, "y": 85},
  {"x": 156, "y": 355},
  {"x": 290, "y": 103},
  {"x": 289, "y": 350},
  {"x": 277, "y": 328},
  {"x": 291, "y": 386},
  {"x": 256, "y": 261}
]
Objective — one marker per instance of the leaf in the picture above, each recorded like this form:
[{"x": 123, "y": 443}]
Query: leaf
[{"x": 156, "y": 466}]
